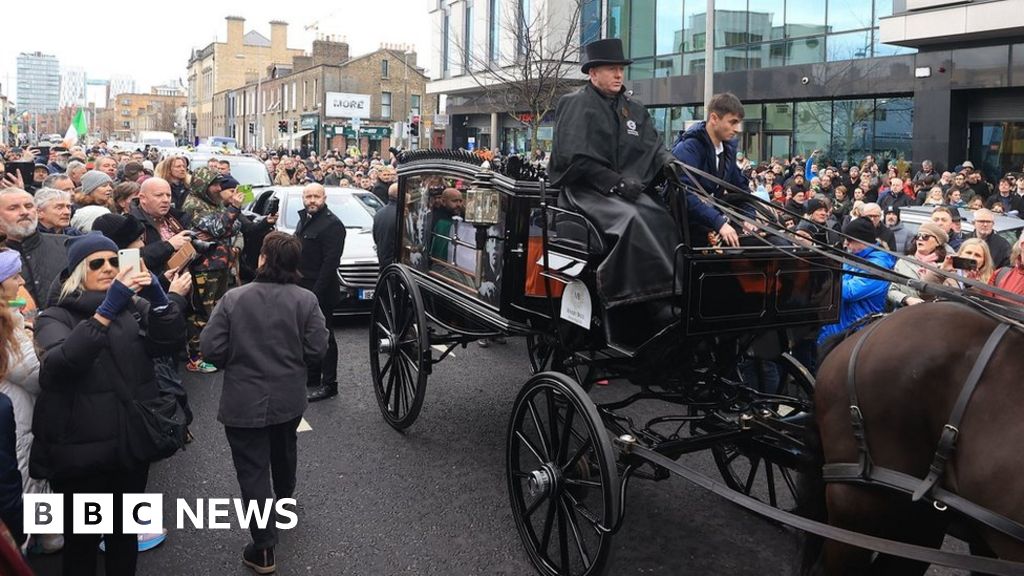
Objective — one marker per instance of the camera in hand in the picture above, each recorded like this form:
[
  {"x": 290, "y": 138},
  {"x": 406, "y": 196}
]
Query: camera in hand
[
  {"x": 273, "y": 205},
  {"x": 960, "y": 263},
  {"x": 202, "y": 246}
]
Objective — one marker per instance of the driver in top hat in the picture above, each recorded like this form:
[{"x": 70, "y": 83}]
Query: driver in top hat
[{"x": 607, "y": 157}]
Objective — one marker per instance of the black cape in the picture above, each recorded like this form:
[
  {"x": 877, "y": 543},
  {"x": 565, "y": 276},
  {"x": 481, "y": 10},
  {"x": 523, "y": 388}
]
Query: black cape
[{"x": 598, "y": 141}]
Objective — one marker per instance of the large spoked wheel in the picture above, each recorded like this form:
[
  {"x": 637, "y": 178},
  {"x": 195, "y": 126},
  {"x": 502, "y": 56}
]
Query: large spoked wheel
[
  {"x": 399, "y": 347},
  {"x": 562, "y": 479},
  {"x": 762, "y": 467}
]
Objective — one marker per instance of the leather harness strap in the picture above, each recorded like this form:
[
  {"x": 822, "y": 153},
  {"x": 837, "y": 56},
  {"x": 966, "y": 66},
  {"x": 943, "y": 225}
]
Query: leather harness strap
[
  {"x": 905, "y": 483},
  {"x": 950, "y": 432},
  {"x": 865, "y": 472},
  {"x": 856, "y": 416}
]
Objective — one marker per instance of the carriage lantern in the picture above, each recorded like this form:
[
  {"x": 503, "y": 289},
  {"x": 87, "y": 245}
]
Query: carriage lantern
[{"x": 482, "y": 201}]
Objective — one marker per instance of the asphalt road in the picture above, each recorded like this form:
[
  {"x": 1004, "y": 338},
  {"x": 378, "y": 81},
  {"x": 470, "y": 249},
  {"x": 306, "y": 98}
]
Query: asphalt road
[{"x": 431, "y": 501}]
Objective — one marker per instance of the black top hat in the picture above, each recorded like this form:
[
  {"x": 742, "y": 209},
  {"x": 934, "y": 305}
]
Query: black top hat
[{"x": 603, "y": 52}]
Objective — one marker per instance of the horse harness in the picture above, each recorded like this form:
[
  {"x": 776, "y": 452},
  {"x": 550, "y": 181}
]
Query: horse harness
[{"x": 866, "y": 472}]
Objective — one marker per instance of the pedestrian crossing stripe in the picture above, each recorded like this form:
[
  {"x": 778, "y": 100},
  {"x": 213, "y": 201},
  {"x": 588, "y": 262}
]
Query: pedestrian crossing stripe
[
  {"x": 442, "y": 350},
  {"x": 304, "y": 426}
]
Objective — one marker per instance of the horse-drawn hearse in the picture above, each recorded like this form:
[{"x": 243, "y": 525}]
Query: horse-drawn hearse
[{"x": 516, "y": 263}]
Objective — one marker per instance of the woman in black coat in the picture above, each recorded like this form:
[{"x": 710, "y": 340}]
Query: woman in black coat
[{"x": 97, "y": 340}]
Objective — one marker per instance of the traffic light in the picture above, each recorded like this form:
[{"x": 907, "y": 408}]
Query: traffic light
[
  {"x": 282, "y": 126},
  {"x": 414, "y": 126},
  {"x": 295, "y": 126}
]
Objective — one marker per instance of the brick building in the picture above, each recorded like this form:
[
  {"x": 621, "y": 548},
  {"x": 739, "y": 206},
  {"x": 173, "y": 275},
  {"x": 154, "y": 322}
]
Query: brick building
[
  {"x": 224, "y": 65},
  {"x": 129, "y": 114},
  {"x": 311, "y": 103}
]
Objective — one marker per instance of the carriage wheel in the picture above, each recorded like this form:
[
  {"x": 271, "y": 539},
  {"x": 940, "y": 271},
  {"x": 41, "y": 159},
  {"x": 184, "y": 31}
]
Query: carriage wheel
[
  {"x": 399, "y": 347},
  {"x": 562, "y": 479},
  {"x": 754, "y": 467}
]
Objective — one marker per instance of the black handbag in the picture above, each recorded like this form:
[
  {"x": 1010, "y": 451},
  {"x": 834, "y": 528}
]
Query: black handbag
[{"x": 153, "y": 429}]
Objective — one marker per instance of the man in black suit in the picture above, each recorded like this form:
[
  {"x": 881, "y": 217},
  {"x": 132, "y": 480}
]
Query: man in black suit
[{"x": 323, "y": 240}]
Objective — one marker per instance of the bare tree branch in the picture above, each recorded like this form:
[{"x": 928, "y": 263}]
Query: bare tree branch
[{"x": 526, "y": 81}]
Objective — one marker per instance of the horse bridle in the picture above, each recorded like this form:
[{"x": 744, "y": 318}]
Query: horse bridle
[{"x": 865, "y": 472}]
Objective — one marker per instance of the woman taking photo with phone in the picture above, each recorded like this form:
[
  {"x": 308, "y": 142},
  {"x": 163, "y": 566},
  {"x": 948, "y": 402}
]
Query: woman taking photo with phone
[{"x": 96, "y": 343}]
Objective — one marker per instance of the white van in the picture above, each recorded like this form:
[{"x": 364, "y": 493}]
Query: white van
[{"x": 156, "y": 139}]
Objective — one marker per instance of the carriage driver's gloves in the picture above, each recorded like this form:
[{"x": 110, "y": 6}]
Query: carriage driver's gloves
[
  {"x": 629, "y": 188},
  {"x": 155, "y": 294},
  {"x": 118, "y": 297}
]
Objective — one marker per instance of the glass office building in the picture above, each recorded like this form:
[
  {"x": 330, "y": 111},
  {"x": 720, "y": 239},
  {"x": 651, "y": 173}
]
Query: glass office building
[{"x": 787, "y": 39}]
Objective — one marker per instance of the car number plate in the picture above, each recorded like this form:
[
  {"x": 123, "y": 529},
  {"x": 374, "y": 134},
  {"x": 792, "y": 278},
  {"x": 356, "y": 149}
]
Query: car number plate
[{"x": 366, "y": 294}]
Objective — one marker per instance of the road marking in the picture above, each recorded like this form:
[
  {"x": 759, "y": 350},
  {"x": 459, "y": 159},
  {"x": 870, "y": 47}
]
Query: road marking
[
  {"x": 441, "y": 349},
  {"x": 304, "y": 426}
]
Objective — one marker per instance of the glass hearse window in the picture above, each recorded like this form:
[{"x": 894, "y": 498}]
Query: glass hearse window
[{"x": 438, "y": 239}]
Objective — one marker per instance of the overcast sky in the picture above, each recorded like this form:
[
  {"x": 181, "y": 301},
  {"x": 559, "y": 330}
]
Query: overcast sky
[{"x": 151, "y": 42}]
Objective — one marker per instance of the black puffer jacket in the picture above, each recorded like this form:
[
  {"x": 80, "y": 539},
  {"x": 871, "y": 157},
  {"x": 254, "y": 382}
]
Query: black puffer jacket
[{"x": 78, "y": 416}]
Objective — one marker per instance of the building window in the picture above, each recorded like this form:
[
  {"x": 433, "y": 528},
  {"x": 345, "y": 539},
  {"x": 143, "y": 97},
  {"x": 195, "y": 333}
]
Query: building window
[
  {"x": 493, "y": 51},
  {"x": 295, "y": 91},
  {"x": 523, "y": 44},
  {"x": 445, "y": 43},
  {"x": 467, "y": 36},
  {"x": 383, "y": 68},
  {"x": 385, "y": 105},
  {"x": 415, "y": 104},
  {"x": 618, "y": 20},
  {"x": 590, "y": 21}
]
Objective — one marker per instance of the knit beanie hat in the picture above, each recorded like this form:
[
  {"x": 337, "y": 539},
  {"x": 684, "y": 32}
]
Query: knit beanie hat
[
  {"x": 933, "y": 229},
  {"x": 10, "y": 264},
  {"x": 862, "y": 230},
  {"x": 123, "y": 230},
  {"x": 93, "y": 179},
  {"x": 79, "y": 248}
]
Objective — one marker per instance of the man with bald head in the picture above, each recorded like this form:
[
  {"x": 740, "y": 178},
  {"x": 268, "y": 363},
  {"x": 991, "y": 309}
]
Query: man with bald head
[
  {"x": 984, "y": 228},
  {"x": 166, "y": 230},
  {"x": 323, "y": 240},
  {"x": 449, "y": 205}
]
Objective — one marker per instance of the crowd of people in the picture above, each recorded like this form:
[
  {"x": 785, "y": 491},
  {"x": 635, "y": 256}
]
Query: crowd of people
[{"x": 82, "y": 336}]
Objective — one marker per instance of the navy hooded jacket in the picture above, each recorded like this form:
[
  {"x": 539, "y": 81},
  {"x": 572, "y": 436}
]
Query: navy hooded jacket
[{"x": 694, "y": 148}]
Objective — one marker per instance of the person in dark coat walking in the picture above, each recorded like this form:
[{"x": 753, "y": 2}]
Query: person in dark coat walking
[
  {"x": 384, "y": 227},
  {"x": 263, "y": 335},
  {"x": 323, "y": 240},
  {"x": 96, "y": 341}
]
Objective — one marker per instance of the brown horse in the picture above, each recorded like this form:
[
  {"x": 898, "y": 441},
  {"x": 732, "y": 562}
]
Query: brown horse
[{"x": 909, "y": 373}]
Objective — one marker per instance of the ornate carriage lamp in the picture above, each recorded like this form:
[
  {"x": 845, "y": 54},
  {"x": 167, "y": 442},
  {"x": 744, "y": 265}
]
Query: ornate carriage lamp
[{"x": 482, "y": 201}]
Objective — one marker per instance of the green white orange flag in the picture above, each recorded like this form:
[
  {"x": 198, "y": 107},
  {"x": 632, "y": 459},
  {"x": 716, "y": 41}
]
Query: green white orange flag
[{"x": 77, "y": 129}]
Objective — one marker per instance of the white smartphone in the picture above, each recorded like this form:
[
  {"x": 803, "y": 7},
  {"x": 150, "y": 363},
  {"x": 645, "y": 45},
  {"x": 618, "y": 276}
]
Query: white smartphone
[{"x": 129, "y": 258}]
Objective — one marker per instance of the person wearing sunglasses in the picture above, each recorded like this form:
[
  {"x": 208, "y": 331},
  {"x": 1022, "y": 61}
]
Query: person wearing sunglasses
[
  {"x": 930, "y": 248},
  {"x": 96, "y": 343}
]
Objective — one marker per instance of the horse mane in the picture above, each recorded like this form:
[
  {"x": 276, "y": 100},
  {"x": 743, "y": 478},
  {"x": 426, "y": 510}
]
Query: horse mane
[{"x": 836, "y": 339}]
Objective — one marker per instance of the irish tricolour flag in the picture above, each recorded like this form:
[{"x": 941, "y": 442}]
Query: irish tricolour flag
[{"x": 77, "y": 129}]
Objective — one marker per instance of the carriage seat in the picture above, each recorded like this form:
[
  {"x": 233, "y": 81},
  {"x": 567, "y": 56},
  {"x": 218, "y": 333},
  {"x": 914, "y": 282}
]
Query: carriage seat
[{"x": 575, "y": 232}]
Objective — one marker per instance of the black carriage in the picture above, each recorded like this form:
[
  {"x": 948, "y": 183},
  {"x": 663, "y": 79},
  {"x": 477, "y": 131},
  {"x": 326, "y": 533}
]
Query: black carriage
[{"x": 517, "y": 264}]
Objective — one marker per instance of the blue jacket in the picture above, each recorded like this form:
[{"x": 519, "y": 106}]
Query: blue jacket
[
  {"x": 861, "y": 296},
  {"x": 694, "y": 148}
]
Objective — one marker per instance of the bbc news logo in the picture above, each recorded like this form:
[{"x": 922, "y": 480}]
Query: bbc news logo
[{"x": 144, "y": 513}]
